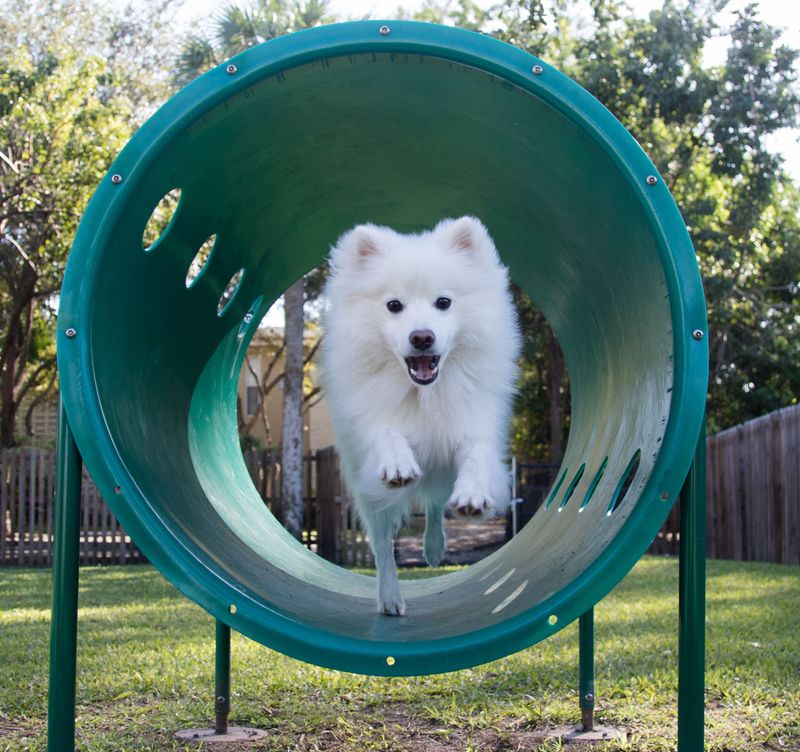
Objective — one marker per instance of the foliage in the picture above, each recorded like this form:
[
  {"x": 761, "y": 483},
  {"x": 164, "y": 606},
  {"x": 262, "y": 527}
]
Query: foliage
[
  {"x": 706, "y": 129},
  {"x": 71, "y": 92},
  {"x": 146, "y": 664},
  {"x": 237, "y": 28}
]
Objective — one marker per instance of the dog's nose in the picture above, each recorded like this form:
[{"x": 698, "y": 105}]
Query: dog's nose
[{"x": 422, "y": 339}]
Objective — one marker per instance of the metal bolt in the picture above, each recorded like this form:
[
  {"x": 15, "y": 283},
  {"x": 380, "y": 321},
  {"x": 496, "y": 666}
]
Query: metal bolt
[
  {"x": 589, "y": 697},
  {"x": 71, "y": 331},
  {"x": 116, "y": 178},
  {"x": 232, "y": 608},
  {"x": 390, "y": 660},
  {"x": 698, "y": 334},
  {"x": 385, "y": 31},
  {"x": 651, "y": 180},
  {"x": 221, "y": 700},
  {"x": 537, "y": 70},
  {"x": 665, "y": 495},
  {"x": 231, "y": 69},
  {"x": 248, "y": 317},
  {"x": 117, "y": 490}
]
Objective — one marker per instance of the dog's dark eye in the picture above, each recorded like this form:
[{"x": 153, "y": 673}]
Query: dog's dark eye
[
  {"x": 394, "y": 306},
  {"x": 443, "y": 303}
]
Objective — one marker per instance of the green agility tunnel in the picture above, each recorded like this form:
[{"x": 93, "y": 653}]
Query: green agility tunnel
[{"x": 275, "y": 154}]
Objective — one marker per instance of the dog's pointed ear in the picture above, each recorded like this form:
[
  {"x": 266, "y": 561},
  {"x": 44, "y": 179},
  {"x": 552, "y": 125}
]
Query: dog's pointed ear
[
  {"x": 356, "y": 245},
  {"x": 466, "y": 234}
]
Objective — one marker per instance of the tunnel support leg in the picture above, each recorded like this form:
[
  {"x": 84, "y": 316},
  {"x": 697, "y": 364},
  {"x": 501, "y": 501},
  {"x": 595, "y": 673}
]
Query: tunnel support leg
[
  {"x": 586, "y": 669},
  {"x": 64, "y": 613},
  {"x": 692, "y": 606},
  {"x": 222, "y": 691}
]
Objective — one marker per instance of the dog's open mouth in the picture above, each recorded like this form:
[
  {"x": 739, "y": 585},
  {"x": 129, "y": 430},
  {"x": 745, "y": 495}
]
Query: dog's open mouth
[{"x": 423, "y": 369}]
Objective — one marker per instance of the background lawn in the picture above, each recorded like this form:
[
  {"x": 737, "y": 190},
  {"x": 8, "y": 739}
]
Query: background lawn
[{"x": 145, "y": 665}]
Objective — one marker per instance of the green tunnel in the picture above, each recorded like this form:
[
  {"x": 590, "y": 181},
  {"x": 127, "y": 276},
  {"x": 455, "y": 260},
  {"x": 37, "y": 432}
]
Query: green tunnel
[{"x": 276, "y": 154}]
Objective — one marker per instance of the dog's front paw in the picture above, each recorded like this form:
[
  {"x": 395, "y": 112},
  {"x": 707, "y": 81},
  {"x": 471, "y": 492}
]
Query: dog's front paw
[
  {"x": 471, "y": 503},
  {"x": 399, "y": 471}
]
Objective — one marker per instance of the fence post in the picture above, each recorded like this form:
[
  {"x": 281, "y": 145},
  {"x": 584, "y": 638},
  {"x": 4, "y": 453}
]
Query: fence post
[{"x": 326, "y": 506}]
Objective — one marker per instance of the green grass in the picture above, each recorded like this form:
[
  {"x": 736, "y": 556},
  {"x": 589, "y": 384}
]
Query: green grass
[{"x": 145, "y": 665}]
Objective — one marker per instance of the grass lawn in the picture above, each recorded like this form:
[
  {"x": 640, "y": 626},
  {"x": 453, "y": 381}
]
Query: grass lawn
[{"x": 146, "y": 660}]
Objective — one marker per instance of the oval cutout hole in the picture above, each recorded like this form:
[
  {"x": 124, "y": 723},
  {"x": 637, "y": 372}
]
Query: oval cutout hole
[
  {"x": 554, "y": 492},
  {"x": 571, "y": 487},
  {"x": 593, "y": 484},
  {"x": 625, "y": 481},
  {"x": 161, "y": 218},
  {"x": 229, "y": 293},
  {"x": 200, "y": 260}
]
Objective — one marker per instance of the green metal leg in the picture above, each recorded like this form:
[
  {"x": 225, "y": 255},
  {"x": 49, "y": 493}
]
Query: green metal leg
[
  {"x": 691, "y": 669},
  {"x": 586, "y": 668},
  {"x": 64, "y": 622},
  {"x": 222, "y": 691}
]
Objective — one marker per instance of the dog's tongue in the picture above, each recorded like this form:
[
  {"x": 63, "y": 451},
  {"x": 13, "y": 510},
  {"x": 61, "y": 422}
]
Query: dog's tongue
[{"x": 423, "y": 366}]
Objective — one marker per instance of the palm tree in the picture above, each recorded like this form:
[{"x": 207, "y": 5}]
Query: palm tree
[{"x": 234, "y": 29}]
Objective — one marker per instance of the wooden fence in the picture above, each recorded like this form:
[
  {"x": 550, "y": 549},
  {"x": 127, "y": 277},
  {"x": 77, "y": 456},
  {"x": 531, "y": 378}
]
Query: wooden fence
[
  {"x": 27, "y": 478},
  {"x": 753, "y": 490},
  {"x": 753, "y": 484}
]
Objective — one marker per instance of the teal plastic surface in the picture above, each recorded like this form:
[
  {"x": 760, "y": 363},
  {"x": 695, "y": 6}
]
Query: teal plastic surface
[{"x": 306, "y": 136}]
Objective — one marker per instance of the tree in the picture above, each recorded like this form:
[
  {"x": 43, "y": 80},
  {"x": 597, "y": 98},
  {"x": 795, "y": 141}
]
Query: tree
[
  {"x": 69, "y": 99},
  {"x": 236, "y": 29},
  {"x": 706, "y": 129}
]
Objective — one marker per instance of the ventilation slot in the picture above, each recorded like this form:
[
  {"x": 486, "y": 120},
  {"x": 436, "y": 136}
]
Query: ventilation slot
[
  {"x": 160, "y": 220},
  {"x": 200, "y": 261},
  {"x": 625, "y": 482},
  {"x": 229, "y": 293}
]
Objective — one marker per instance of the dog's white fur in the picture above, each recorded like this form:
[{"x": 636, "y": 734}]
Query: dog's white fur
[{"x": 402, "y": 443}]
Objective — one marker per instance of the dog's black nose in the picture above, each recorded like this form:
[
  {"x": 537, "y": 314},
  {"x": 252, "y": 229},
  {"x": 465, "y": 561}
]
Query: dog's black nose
[{"x": 422, "y": 339}]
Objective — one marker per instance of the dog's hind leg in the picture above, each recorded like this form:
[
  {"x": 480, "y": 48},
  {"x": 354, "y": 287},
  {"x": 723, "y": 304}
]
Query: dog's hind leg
[{"x": 434, "y": 541}]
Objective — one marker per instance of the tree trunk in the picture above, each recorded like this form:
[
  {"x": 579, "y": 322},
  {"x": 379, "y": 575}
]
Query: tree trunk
[
  {"x": 292, "y": 438},
  {"x": 14, "y": 352},
  {"x": 555, "y": 381}
]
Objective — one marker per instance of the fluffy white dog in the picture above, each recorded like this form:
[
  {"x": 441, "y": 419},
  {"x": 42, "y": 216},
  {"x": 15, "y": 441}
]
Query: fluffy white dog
[{"x": 421, "y": 342}]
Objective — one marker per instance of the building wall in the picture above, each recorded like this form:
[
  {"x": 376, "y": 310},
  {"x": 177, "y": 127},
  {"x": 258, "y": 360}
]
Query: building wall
[{"x": 317, "y": 427}]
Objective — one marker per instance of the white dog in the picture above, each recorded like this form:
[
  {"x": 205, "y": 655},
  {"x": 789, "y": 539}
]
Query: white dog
[{"x": 421, "y": 342}]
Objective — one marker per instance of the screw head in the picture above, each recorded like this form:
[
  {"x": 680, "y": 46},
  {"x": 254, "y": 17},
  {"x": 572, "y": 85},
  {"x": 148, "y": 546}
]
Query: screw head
[
  {"x": 71, "y": 331},
  {"x": 248, "y": 317},
  {"x": 384, "y": 30},
  {"x": 537, "y": 70},
  {"x": 116, "y": 178},
  {"x": 651, "y": 180},
  {"x": 665, "y": 495},
  {"x": 390, "y": 661},
  {"x": 232, "y": 608},
  {"x": 698, "y": 334},
  {"x": 589, "y": 697},
  {"x": 231, "y": 69},
  {"x": 117, "y": 490}
]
